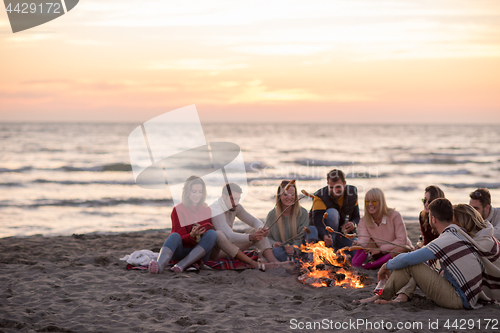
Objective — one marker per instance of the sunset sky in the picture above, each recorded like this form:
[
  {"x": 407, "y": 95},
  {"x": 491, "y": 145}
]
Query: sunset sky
[{"x": 409, "y": 61}]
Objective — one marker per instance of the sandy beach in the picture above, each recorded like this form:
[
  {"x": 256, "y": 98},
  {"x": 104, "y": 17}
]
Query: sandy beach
[{"x": 79, "y": 284}]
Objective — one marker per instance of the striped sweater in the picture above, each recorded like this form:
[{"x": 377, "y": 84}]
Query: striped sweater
[{"x": 473, "y": 262}]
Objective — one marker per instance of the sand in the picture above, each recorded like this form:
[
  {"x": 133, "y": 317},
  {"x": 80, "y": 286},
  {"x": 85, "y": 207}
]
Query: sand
[{"x": 78, "y": 284}]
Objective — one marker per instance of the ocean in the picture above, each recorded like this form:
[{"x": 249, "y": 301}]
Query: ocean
[{"x": 73, "y": 178}]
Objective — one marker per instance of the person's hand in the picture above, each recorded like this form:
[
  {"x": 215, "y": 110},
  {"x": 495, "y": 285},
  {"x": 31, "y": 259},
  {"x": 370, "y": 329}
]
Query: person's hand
[
  {"x": 418, "y": 246},
  {"x": 267, "y": 231},
  {"x": 349, "y": 226},
  {"x": 256, "y": 236},
  {"x": 374, "y": 252},
  {"x": 383, "y": 273},
  {"x": 289, "y": 249},
  {"x": 197, "y": 230},
  {"x": 328, "y": 240},
  {"x": 277, "y": 244}
]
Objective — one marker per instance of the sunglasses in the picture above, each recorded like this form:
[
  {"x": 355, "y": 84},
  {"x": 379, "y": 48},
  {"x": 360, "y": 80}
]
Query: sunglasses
[
  {"x": 373, "y": 202},
  {"x": 424, "y": 201},
  {"x": 476, "y": 195}
]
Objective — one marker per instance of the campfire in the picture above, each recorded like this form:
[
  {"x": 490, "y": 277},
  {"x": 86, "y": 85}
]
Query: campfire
[{"x": 329, "y": 268}]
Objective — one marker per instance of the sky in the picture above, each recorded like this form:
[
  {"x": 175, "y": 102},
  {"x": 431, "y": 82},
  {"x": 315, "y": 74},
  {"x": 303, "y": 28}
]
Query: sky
[{"x": 328, "y": 61}]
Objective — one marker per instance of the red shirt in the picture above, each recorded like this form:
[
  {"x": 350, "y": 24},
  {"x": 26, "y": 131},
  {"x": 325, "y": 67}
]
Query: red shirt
[{"x": 188, "y": 216}]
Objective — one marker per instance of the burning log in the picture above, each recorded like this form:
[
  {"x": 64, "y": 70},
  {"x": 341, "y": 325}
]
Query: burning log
[
  {"x": 329, "y": 268},
  {"x": 316, "y": 282},
  {"x": 339, "y": 277}
]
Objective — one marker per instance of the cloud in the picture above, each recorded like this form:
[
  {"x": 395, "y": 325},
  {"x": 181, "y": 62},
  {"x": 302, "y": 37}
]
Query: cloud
[
  {"x": 255, "y": 92},
  {"x": 282, "y": 49},
  {"x": 157, "y": 13},
  {"x": 198, "y": 64},
  {"x": 85, "y": 42},
  {"x": 30, "y": 38}
]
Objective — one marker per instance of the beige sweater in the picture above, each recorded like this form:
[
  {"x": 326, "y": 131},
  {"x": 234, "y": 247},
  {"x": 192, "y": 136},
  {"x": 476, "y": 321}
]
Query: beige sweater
[{"x": 223, "y": 219}]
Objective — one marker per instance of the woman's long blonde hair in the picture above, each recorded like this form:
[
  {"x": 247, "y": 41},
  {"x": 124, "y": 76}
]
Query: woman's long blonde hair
[
  {"x": 187, "y": 189},
  {"x": 467, "y": 217},
  {"x": 376, "y": 194},
  {"x": 296, "y": 208}
]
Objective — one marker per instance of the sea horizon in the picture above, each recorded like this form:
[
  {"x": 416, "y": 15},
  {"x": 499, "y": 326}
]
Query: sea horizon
[{"x": 66, "y": 178}]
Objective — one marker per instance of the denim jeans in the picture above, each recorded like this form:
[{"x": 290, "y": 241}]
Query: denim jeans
[
  {"x": 174, "y": 243},
  {"x": 333, "y": 221},
  {"x": 312, "y": 237}
]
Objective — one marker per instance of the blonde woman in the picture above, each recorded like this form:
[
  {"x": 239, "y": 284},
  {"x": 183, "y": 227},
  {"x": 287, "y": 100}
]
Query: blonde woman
[
  {"x": 289, "y": 230},
  {"x": 468, "y": 218},
  {"x": 192, "y": 237},
  {"x": 378, "y": 226},
  {"x": 487, "y": 247}
]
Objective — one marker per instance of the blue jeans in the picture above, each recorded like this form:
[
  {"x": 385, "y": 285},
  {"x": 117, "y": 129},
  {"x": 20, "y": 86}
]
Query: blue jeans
[
  {"x": 280, "y": 253},
  {"x": 333, "y": 221},
  {"x": 174, "y": 243}
]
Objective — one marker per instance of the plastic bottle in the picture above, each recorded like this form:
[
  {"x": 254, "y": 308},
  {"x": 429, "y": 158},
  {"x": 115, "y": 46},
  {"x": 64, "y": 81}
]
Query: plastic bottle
[
  {"x": 345, "y": 222},
  {"x": 420, "y": 241}
]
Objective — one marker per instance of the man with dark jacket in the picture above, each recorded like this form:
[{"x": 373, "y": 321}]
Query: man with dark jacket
[{"x": 340, "y": 201}]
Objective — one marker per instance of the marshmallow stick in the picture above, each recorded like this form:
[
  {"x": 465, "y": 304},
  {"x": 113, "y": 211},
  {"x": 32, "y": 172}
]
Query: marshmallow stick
[
  {"x": 294, "y": 237},
  {"x": 382, "y": 240},
  {"x": 290, "y": 184},
  {"x": 357, "y": 247}
]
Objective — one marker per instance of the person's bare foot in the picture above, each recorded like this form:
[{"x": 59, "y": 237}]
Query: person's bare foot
[
  {"x": 153, "y": 267},
  {"x": 399, "y": 299},
  {"x": 374, "y": 298},
  {"x": 176, "y": 269}
]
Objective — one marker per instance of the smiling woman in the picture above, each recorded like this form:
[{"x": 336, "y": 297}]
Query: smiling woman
[
  {"x": 293, "y": 226},
  {"x": 382, "y": 232},
  {"x": 192, "y": 237}
]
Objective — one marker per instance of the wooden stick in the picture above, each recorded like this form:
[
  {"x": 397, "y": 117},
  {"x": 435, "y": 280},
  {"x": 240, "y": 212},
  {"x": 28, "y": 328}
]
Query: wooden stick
[
  {"x": 357, "y": 247},
  {"x": 292, "y": 238},
  {"x": 382, "y": 240}
]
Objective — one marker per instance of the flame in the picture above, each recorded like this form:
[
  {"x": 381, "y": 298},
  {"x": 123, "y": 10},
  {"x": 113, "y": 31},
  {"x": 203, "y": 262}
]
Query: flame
[{"x": 343, "y": 276}]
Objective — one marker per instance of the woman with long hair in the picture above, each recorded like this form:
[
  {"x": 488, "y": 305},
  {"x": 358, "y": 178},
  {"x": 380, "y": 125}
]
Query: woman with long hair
[
  {"x": 192, "y": 237},
  {"x": 379, "y": 227},
  {"x": 481, "y": 236},
  {"x": 431, "y": 192},
  {"x": 290, "y": 230},
  {"x": 468, "y": 218}
]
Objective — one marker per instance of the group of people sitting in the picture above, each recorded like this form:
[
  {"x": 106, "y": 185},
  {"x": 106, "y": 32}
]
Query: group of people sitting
[{"x": 460, "y": 240}]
